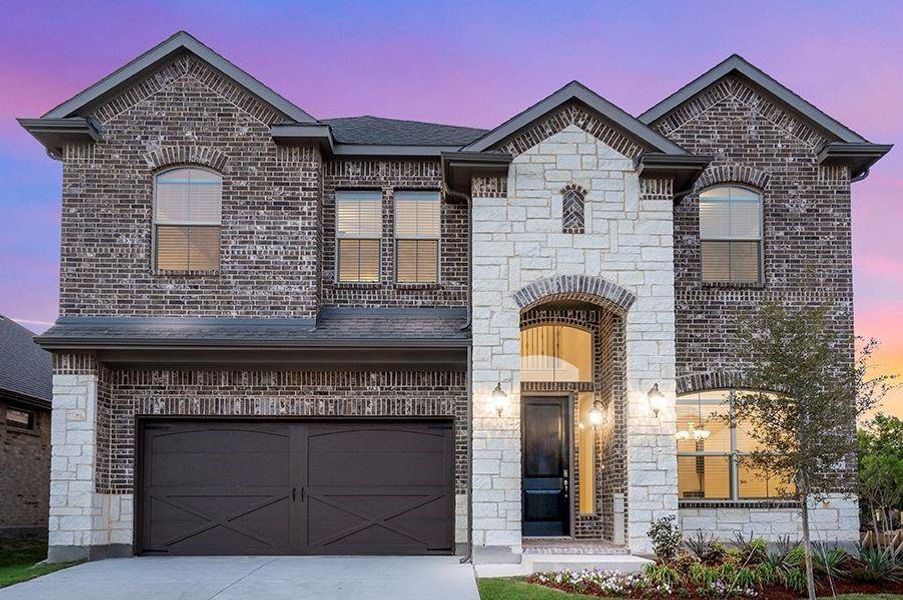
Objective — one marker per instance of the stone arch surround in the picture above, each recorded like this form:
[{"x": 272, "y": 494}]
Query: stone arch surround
[{"x": 585, "y": 288}]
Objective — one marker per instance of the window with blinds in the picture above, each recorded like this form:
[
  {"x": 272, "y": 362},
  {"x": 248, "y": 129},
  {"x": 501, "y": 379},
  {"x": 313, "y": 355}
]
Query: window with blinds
[
  {"x": 417, "y": 237},
  {"x": 730, "y": 232},
  {"x": 187, "y": 219},
  {"x": 359, "y": 226}
]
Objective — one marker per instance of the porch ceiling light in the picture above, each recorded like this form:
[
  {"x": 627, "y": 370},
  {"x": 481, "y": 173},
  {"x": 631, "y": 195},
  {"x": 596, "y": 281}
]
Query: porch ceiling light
[
  {"x": 499, "y": 399},
  {"x": 656, "y": 399}
]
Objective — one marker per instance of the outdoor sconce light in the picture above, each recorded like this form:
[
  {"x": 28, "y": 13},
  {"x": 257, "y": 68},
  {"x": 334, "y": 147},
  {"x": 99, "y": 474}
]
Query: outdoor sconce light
[
  {"x": 596, "y": 416},
  {"x": 656, "y": 399},
  {"x": 499, "y": 399}
]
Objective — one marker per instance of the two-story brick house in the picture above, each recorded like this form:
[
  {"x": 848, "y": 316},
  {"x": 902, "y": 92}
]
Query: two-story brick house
[{"x": 280, "y": 334}]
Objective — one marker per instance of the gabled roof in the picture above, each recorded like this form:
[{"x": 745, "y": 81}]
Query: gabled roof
[
  {"x": 579, "y": 92},
  {"x": 180, "y": 42},
  {"x": 368, "y": 129},
  {"x": 25, "y": 368},
  {"x": 736, "y": 64}
]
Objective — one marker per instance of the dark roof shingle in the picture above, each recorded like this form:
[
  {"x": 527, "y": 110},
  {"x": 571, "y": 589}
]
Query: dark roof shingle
[
  {"x": 24, "y": 367},
  {"x": 395, "y": 132}
]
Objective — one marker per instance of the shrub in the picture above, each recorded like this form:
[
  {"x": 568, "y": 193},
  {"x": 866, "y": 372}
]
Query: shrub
[
  {"x": 795, "y": 579},
  {"x": 662, "y": 576},
  {"x": 766, "y": 573},
  {"x": 746, "y": 578},
  {"x": 705, "y": 547},
  {"x": 831, "y": 562},
  {"x": 879, "y": 564},
  {"x": 754, "y": 550},
  {"x": 666, "y": 538},
  {"x": 703, "y": 577}
]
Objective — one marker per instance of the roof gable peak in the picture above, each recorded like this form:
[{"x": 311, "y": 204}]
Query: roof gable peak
[
  {"x": 180, "y": 41},
  {"x": 735, "y": 64}
]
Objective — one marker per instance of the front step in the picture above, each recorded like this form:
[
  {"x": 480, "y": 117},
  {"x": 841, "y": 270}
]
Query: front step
[{"x": 545, "y": 562}]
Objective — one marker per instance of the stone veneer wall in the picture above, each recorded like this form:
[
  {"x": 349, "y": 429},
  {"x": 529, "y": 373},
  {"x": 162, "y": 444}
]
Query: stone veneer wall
[
  {"x": 94, "y": 430},
  {"x": 25, "y": 468},
  {"x": 187, "y": 113},
  {"x": 518, "y": 239},
  {"x": 807, "y": 250},
  {"x": 390, "y": 176}
]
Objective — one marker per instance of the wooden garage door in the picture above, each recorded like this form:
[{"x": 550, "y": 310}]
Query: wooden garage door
[{"x": 296, "y": 488}]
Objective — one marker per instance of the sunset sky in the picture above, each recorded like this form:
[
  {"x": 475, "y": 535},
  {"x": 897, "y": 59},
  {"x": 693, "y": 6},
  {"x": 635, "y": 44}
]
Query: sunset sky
[{"x": 467, "y": 63}]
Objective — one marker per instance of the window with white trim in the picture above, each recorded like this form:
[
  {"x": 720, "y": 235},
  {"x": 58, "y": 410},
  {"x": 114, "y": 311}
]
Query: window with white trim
[
  {"x": 359, "y": 226},
  {"x": 710, "y": 466},
  {"x": 187, "y": 219},
  {"x": 417, "y": 218},
  {"x": 730, "y": 233}
]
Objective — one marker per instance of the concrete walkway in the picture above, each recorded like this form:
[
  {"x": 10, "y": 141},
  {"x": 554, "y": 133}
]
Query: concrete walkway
[{"x": 261, "y": 578}]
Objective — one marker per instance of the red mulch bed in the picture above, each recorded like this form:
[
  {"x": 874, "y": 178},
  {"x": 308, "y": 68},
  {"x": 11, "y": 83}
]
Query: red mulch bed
[{"x": 772, "y": 592}]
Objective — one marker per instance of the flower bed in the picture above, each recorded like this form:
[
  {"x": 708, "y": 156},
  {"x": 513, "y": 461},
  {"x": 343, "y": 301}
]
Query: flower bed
[{"x": 705, "y": 568}]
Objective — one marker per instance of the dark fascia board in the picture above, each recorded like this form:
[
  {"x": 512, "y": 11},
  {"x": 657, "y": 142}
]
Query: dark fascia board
[
  {"x": 137, "y": 343},
  {"x": 24, "y": 400},
  {"x": 737, "y": 64},
  {"x": 859, "y": 157},
  {"x": 577, "y": 91},
  {"x": 458, "y": 168},
  {"x": 305, "y": 133},
  {"x": 683, "y": 169},
  {"x": 393, "y": 151},
  {"x": 178, "y": 42},
  {"x": 56, "y": 133}
]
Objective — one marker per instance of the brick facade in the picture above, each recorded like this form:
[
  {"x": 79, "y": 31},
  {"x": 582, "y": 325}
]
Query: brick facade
[{"x": 25, "y": 464}]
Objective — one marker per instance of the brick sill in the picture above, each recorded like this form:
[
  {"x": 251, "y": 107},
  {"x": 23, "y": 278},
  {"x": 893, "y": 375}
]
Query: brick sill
[
  {"x": 358, "y": 285},
  {"x": 736, "y": 504},
  {"x": 20, "y": 431},
  {"x": 418, "y": 286},
  {"x": 168, "y": 273},
  {"x": 726, "y": 285}
]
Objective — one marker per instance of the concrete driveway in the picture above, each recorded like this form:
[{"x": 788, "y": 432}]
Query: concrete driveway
[{"x": 261, "y": 578}]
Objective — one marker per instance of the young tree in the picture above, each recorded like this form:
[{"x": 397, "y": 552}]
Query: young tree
[
  {"x": 881, "y": 471},
  {"x": 810, "y": 386}
]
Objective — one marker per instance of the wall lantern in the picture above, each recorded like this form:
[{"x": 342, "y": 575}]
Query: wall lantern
[
  {"x": 656, "y": 399},
  {"x": 499, "y": 399},
  {"x": 596, "y": 416}
]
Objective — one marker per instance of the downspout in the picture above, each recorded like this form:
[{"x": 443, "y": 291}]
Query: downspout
[{"x": 468, "y": 556}]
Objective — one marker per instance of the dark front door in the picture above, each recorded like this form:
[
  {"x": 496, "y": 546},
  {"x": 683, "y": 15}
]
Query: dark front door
[
  {"x": 546, "y": 465},
  {"x": 225, "y": 487}
]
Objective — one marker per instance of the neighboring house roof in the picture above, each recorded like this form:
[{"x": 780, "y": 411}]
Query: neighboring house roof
[
  {"x": 368, "y": 129},
  {"x": 373, "y": 327},
  {"x": 25, "y": 369},
  {"x": 579, "y": 92},
  {"x": 181, "y": 41},
  {"x": 736, "y": 64}
]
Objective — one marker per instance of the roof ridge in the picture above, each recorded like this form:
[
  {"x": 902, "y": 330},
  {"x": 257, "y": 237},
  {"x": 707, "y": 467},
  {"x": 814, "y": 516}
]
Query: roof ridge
[{"x": 403, "y": 121}]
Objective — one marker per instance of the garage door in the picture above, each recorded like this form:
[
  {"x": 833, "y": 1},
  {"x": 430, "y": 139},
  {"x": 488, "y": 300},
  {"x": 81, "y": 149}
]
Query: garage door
[{"x": 296, "y": 488}]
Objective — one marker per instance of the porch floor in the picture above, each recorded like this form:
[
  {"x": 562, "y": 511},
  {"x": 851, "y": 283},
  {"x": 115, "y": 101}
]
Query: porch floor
[{"x": 569, "y": 545}]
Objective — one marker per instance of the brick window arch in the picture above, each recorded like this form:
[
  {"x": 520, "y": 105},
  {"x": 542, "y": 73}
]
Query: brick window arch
[{"x": 572, "y": 208}]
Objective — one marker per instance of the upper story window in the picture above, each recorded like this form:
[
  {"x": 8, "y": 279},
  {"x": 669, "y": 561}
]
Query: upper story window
[
  {"x": 187, "y": 219},
  {"x": 417, "y": 237},
  {"x": 556, "y": 353},
  {"x": 710, "y": 466},
  {"x": 730, "y": 231},
  {"x": 359, "y": 226}
]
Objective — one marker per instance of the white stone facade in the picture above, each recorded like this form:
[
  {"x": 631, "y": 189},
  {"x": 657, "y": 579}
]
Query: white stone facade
[
  {"x": 836, "y": 519},
  {"x": 82, "y": 523},
  {"x": 628, "y": 241}
]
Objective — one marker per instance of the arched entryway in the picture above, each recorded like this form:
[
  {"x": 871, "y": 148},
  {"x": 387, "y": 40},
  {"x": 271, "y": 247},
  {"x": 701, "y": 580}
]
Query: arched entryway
[{"x": 573, "y": 404}]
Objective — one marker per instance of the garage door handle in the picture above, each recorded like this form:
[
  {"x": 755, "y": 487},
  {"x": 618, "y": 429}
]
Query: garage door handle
[
  {"x": 293, "y": 493},
  {"x": 302, "y": 493}
]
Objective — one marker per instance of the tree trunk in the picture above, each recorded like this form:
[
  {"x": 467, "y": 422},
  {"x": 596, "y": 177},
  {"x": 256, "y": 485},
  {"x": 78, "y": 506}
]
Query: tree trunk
[{"x": 807, "y": 546}]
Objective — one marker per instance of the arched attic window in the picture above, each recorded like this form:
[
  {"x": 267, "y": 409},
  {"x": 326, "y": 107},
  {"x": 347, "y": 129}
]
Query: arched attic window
[{"x": 187, "y": 219}]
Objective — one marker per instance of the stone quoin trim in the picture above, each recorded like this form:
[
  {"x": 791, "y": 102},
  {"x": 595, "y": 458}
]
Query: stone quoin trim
[
  {"x": 572, "y": 208},
  {"x": 586, "y": 288},
  {"x": 732, "y": 173},
  {"x": 187, "y": 155}
]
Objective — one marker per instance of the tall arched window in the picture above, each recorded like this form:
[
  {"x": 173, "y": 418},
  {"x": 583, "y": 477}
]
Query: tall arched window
[
  {"x": 187, "y": 219},
  {"x": 556, "y": 353},
  {"x": 730, "y": 232}
]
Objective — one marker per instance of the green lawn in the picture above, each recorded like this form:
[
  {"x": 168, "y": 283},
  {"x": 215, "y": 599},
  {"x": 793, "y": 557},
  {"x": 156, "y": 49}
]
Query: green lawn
[
  {"x": 18, "y": 562},
  {"x": 515, "y": 589}
]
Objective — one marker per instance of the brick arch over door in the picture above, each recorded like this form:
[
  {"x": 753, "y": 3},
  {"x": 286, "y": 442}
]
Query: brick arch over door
[
  {"x": 585, "y": 288},
  {"x": 205, "y": 156},
  {"x": 733, "y": 173},
  {"x": 712, "y": 380}
]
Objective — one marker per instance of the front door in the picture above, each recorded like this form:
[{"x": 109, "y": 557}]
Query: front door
[{"x": 545, "y": 466}]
